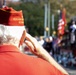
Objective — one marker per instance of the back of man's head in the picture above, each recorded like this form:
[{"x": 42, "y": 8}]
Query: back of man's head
[{"x": 11, "y": 26}]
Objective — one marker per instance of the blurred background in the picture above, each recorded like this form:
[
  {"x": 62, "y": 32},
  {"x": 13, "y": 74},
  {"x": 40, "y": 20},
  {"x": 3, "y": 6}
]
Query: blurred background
[{"x": 53, "y": 24}]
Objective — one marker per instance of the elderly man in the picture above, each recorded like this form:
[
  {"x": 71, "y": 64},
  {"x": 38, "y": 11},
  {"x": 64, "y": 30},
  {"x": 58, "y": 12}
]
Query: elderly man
[{"x": 12, "y": 61}]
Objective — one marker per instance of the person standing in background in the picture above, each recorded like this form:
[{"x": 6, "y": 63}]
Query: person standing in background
[
  {"x": 41, "y": 40},
  {"x": 73, "y": 38}
]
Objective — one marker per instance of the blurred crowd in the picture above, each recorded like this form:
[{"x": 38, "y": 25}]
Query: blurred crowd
[{"x": 53, "y": 46}]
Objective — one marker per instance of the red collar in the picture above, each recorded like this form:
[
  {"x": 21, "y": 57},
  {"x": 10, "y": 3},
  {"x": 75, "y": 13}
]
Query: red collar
[{"x": 8, "y": 48}]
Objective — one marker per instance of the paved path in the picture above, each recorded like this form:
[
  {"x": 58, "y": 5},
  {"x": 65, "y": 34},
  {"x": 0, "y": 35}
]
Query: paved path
[{"x": 71, "y": 70}]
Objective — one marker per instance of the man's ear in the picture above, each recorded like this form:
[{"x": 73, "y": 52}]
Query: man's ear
[{"x": 22, "y": 38}]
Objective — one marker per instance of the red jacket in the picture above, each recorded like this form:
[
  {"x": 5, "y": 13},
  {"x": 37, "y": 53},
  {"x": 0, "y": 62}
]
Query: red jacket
[{"x": 13, "y": 62}]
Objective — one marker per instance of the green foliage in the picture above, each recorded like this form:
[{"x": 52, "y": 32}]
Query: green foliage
[{"x": 33, "y": 17}]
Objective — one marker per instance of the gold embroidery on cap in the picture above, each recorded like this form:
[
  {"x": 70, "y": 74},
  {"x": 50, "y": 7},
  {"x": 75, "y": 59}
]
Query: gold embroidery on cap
[
  {"x": 21, "y": 22},
  {"x": 16, "y": 19}
]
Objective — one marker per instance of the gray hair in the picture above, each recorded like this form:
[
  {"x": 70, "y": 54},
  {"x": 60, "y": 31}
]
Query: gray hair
[
  {"x": 9, "y": 40},
  {"x": 10, "y": 34}
]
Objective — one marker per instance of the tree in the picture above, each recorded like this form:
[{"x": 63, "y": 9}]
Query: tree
[{"x": 33, "y": 17}]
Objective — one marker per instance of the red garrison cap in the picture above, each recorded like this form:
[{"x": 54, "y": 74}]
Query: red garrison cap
[{"x": 11, "y": 17}]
